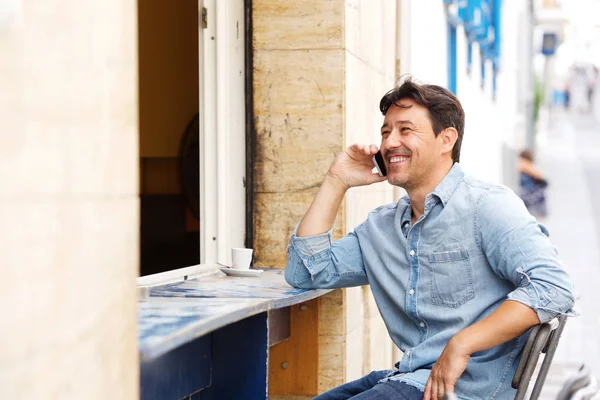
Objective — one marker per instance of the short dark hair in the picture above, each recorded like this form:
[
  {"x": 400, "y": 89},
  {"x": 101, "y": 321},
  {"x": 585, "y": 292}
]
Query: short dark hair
[
  {"x": 445, "y": 111},
  {"x": 526, "y": 154}
]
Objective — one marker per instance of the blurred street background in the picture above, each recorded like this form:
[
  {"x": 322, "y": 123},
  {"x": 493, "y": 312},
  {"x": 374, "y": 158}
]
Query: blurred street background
[
  {"x": 567, "y": 143},
  {"x": 567, "y": 152}
]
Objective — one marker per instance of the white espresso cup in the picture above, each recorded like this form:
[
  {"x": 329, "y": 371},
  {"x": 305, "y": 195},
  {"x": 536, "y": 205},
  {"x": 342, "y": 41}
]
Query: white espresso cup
[{"x": 241, "y": 258}]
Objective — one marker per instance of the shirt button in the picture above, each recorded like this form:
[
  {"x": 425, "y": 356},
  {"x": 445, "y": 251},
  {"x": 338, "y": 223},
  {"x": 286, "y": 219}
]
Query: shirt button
[
  {"x": 422, "y": 324},
  {"x": 412, "y": 252},
  {"x": 411, "y": 292}
]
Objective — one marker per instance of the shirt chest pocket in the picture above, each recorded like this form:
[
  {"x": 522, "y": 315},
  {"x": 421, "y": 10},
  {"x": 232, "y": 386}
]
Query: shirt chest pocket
[{"x": 451, "y": 278}]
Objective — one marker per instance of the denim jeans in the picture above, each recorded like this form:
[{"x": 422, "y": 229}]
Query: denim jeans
[{"x": 368, "y": 388}]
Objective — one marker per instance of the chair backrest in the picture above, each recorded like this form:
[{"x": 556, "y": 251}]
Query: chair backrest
[{"x": 542, "y": 338}]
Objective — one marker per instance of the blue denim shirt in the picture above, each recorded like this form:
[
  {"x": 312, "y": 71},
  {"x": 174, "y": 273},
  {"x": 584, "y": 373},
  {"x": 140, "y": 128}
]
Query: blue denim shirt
[{"x": 474, "y": 247}]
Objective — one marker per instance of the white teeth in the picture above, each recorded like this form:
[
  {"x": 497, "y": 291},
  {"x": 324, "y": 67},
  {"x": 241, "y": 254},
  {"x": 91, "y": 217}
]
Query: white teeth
[{"x": 397, "y": 159}]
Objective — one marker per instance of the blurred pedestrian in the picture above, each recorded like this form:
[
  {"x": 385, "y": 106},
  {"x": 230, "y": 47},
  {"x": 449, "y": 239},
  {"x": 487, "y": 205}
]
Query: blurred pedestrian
[
  {"x": 533, "y": 185},
  {"x": 593, "y": 79},
  {"x": 579, "y": 89}
]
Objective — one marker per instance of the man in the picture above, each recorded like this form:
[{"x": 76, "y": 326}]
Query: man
[{"x": 458, "y": 268}]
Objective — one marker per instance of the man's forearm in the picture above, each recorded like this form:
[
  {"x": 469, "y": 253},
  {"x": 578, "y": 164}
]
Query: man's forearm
[
  {"x": 510, "y": 320},
  {"x": 321, "y": 214}
]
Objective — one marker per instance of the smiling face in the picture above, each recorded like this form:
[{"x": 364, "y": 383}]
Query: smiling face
[{"x": 412, "y": 152}]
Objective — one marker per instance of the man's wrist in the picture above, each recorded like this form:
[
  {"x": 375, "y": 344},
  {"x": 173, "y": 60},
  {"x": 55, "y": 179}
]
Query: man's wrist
[
  {"x": 335, "y": 183},
  {"x": 460, "y": 344}
]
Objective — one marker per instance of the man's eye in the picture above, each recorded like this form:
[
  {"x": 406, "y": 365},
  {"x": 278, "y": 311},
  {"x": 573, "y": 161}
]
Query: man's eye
[
  {"x": 404, "y": 129},
  {"x": 385, "y": 133}
]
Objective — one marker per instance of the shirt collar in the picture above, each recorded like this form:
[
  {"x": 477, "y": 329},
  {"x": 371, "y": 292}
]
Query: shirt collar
[
  {"x": 449, "y": 184},
  {"x": 405, "y": 217},
  {"x": 443, "y": 191}
]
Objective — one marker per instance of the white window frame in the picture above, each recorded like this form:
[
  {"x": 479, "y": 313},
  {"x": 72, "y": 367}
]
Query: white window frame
[{"x": 222, "y": 130}]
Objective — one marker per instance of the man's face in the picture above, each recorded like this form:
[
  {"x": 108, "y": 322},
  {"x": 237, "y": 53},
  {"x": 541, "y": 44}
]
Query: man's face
[{"x": 409, "y": 146}]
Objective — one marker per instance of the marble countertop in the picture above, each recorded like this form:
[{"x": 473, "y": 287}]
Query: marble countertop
[{"x": 177, "y": 313}]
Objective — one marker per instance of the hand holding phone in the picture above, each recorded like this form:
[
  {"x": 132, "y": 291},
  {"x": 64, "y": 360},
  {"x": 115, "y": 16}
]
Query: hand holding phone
[
  {"x": 354, "y": 166},
  {"x": 379, "y": 164}
]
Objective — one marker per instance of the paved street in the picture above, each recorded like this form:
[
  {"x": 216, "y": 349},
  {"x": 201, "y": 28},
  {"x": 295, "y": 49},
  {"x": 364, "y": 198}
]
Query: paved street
[{"x": 569, "y": 155}]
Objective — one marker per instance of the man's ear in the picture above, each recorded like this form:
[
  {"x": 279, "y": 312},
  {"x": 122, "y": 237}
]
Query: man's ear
[{"x": 448, "y": 137}]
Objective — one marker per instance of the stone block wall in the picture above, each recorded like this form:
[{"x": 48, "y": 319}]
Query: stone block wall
[
  {"x": 370, "y": 55},
  {"x": 299, "y": 113},
  {"x": 320, "y": 68}
]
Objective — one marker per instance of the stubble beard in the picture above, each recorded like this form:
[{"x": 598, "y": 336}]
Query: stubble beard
[
  {"x": 401, "y": 181},
  {"x": 407, "y": 181}
]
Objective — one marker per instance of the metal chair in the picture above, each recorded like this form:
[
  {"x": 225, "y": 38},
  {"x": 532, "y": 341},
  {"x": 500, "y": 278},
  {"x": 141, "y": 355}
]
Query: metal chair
[{"x": 543, "y": 338}]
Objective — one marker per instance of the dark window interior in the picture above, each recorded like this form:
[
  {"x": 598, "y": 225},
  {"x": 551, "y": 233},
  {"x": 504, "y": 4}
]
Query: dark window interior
[{"x": 168, "y": 127}]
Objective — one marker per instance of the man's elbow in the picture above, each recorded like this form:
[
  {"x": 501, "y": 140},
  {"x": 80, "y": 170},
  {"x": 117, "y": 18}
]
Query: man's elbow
[
  {"x": 566, "y": 292},
  {"x": 563, "y": 303},
  {"x": 289, "y": 274},
  {"x": 569, "y": 296}
]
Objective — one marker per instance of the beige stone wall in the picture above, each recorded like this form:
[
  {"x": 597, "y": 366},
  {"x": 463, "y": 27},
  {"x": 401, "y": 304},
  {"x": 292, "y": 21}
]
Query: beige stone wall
[
  {"x": 299, "y": 113},
  {"x": 320, "y": 68},
  {"x": 370, "y": 54},
  {"x": 378, "y": 349},
  {"x": 332, "y": 340},
  {"x": 68, "y": 200}
]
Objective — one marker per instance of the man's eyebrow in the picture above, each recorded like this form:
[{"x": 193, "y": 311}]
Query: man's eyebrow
[
  {"x": 385, "y": 125},
  {"x": 405, "y": 121}
]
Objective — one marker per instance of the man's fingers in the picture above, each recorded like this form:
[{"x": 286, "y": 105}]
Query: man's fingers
[
  {"x": 357, "y": 147},
  {"x": 441, "y": 390},
  {"x": 364, "y": 149},
  {"x": 434, "y": 390},
  {"x": 376, "y": 178},
  {"x": 427, "y": 393}
]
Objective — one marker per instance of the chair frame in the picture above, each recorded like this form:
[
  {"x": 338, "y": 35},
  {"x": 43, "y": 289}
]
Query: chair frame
[{"x": 543, "y": 338}]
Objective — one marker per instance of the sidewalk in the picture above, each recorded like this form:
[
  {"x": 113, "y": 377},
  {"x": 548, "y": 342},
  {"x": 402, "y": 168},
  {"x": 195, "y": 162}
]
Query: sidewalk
[{"x": 567, "y": 154}]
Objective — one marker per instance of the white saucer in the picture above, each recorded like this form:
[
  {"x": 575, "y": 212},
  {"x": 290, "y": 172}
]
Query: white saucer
[{"x": 241, "y": 272}]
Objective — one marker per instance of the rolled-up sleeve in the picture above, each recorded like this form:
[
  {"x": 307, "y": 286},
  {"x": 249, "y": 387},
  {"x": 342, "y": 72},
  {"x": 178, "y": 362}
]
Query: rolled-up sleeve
[
  {"x": 317, "y": 262},
  {"x": 519, "y": 250},
  {"x": 310, "y": 246}
]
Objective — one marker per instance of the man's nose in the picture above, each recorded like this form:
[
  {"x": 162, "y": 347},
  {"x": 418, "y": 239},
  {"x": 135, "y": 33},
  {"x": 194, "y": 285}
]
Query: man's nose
[{"x": 393, "y": 139}]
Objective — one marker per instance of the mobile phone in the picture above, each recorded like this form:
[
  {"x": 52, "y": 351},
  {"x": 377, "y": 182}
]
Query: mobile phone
[{"x": 379, "y": 164}]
